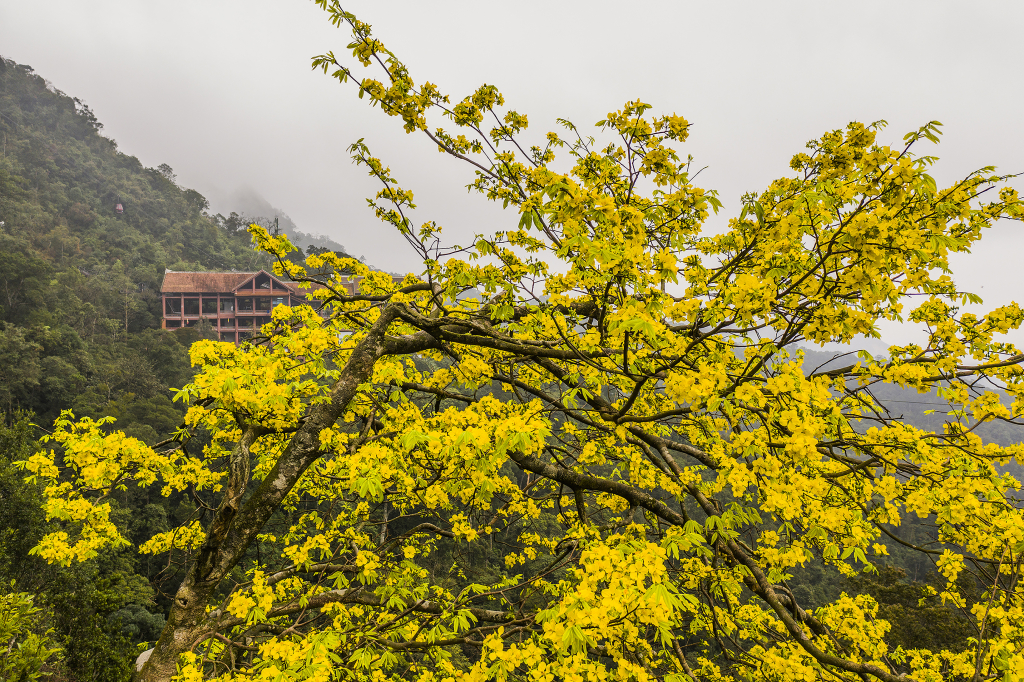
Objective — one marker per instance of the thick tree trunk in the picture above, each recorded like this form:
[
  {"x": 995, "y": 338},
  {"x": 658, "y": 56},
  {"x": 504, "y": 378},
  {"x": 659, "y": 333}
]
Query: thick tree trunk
[{"x": 234, "y": 529}]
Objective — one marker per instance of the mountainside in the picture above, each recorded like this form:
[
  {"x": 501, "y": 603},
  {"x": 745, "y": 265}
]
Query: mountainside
[
  {"x": 79, "y": 280},
  {"x": 79, "y": 329},
  {"x": 60, "y": 184},
  {"x": 249, "y": 204}
]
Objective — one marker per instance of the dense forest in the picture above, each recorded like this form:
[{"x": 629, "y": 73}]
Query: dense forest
[{"x": 79, "y": 330}]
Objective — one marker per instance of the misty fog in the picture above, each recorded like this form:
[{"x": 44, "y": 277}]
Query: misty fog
[{"x": 222, "y": 91}]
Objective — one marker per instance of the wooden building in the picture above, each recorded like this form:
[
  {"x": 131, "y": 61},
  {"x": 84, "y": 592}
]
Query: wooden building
[{"x": 235, "y": 303}]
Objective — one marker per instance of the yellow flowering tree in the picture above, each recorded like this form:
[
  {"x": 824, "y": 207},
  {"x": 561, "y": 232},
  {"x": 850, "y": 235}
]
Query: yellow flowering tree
[{"x": 611, "y": 393}]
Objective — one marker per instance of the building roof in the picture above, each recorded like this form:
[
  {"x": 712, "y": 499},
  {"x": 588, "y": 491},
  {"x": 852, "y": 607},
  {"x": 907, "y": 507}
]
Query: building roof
[
  {"x": 214, "y": 282},
  {"x": 198, "y": 282},
  {"x": 180, "y": 282}
]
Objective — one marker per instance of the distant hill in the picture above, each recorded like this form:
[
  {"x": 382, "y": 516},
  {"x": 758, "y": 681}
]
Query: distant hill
[
  {"x": 913, "y": 407},
  {"x": 249, "y": 204}
]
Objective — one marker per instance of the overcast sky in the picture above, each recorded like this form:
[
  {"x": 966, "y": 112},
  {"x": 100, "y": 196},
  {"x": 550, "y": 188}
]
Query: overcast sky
[{"x": 223, "y": 92}]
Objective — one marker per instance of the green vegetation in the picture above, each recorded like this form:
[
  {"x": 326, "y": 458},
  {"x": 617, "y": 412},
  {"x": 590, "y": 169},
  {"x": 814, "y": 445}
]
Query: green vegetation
[
  {"x": 79, "y": 283},
  {"x": 79, "y": 318},
  {"x": 79, "y": 329},
  {"x": 28, "y": 650}
]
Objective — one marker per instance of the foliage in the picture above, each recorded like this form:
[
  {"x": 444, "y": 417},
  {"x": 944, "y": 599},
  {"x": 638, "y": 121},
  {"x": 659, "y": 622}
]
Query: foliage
[
  {"x": 139, "y": 624},
  {"x": 78, "y": 305},
  {"x": 72, "y": 606},
  {"x": 915, "y": 612},
  {"x": 25, "y": 650},
  {"x": 610, "y": 394}
]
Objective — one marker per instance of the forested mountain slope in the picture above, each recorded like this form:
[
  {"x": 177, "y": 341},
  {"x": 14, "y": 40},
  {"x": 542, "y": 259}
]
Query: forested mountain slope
[
  {"x": 79, "y": 329},
  {"x": 79, "y": 282}
]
